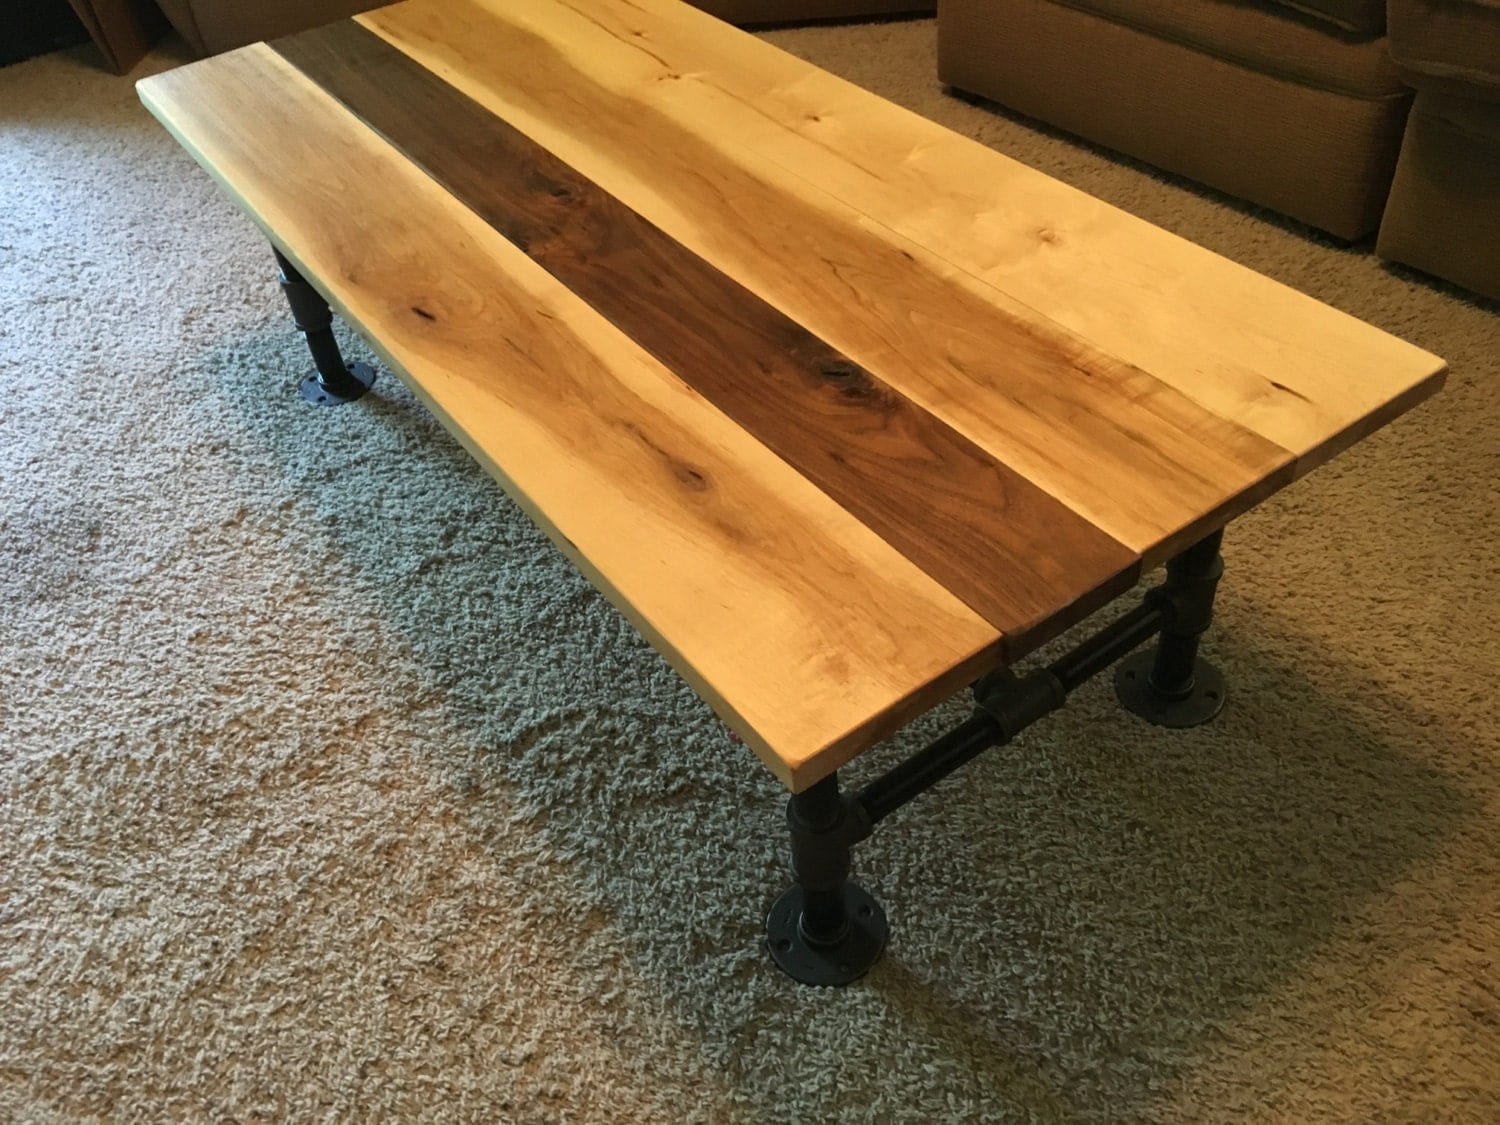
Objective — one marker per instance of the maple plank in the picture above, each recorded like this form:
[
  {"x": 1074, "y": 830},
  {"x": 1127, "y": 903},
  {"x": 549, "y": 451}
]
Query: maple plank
[{"x": 806, "y": 631}]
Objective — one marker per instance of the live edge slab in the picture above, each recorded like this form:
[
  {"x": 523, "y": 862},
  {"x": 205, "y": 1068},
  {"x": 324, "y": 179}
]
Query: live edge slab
[{"x": 842, "y": 409}]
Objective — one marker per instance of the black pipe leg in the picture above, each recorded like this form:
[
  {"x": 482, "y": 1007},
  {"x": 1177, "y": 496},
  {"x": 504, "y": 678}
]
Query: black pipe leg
[
  {"x": 1173, "y": 686},
  {"x": 335, "y": 383},
  {"x": 825, "y": 930}
]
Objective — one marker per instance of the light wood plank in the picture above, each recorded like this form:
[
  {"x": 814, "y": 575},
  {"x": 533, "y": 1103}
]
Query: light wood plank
[
  {"x": 1289, "y": 367},
  {"x": 1149, "y": 384},
  {"x": 1308, "y": 377},
  {"x": 807, "y": 632}
]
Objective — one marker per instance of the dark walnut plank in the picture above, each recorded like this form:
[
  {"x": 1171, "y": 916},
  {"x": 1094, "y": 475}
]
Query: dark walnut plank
[
  {"x": 1025, "y": 562},
  {"x": 593, "y": 81}
]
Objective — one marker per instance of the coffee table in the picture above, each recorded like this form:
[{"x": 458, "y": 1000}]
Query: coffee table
[{"x": 843, "y": 410}]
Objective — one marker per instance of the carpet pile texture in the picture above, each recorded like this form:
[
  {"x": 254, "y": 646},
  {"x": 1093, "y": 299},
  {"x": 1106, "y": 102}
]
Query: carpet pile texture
[{"x": 329, "y": 791}]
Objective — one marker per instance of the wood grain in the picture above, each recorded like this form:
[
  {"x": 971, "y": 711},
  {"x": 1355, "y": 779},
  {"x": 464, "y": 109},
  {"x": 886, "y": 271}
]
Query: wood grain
[
  {"x": 1022, "y": 560},
  {"x": 1142, "y": 380},
  {"x": 804, "y": 629},
  {"x": 1307, "y": 377},
  {"x": 800, "y": 380}
]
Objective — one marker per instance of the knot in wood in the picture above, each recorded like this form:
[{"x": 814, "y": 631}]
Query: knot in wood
[{"x": 840, "y": 370}]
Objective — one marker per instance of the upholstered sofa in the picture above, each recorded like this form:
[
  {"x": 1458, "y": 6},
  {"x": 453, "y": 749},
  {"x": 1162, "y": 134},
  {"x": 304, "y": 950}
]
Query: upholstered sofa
[
  {"x": 1443, "y": 214},
  {"x": 1294, "y": 105},
  {"x": 1302, "y": 106}
]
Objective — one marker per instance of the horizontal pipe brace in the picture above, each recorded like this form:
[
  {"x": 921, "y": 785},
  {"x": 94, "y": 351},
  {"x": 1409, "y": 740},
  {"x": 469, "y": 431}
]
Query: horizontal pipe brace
[
  {"x": 1006, "y": 704},
  {"x": 1120, "y": 637},
  {"x": 927, "y": 767}
]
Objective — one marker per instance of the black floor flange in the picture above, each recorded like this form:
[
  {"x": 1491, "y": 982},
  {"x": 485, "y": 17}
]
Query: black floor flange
[
  {"x": 829, "y": 965},
  {"x": 314, "y": 390},
  {"x": 1201, "y": 702},
  {"x": 334, "y": 383}
]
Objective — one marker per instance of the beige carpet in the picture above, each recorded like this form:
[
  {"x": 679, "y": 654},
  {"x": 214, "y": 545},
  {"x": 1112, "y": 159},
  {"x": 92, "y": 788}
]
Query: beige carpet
[{"x": 331, "y": 793}]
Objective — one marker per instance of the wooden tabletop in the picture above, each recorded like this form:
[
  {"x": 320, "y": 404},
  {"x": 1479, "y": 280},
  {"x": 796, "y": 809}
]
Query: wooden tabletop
[{"x": 840, "y": 407}]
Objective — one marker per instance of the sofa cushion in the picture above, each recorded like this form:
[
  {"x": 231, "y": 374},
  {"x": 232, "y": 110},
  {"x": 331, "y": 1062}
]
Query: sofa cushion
[
  {"x": 1448, "y": 46},
  {"x": 1265, "y": 37},
  {"x": 1364, "y": 16}
]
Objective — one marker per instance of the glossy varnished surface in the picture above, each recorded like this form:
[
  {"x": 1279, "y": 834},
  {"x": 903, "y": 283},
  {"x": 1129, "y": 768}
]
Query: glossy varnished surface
[{"x": 839, "y": 407}]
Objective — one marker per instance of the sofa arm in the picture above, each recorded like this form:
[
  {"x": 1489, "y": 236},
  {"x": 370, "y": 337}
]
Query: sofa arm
[{"x": 1448, "y": 46}]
